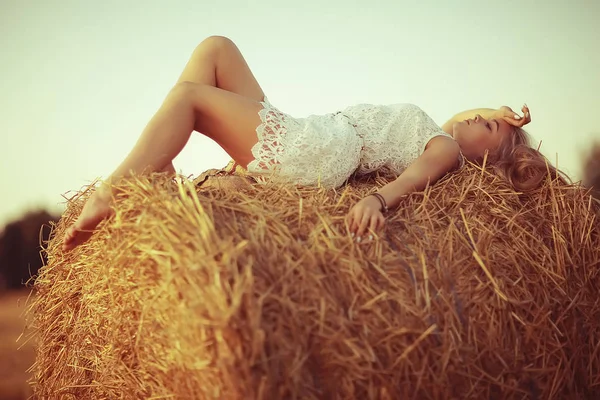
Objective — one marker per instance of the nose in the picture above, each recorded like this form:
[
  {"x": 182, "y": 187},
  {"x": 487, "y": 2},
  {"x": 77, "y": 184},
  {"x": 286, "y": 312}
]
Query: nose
[{"x": 477, "y": 117}]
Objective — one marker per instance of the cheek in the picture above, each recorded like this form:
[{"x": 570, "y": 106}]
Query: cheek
[
  {"x": 477, "y": 139},
  {"x": 471, "y": 133},
  {"x": 461, "y": 130},
  {"x": 481, "y": 135}
]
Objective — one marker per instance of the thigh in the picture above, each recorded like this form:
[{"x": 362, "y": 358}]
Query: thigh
[{"x": 227, "y": 118}]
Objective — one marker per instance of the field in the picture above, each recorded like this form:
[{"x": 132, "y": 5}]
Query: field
[{"x": 14, "y": 362}]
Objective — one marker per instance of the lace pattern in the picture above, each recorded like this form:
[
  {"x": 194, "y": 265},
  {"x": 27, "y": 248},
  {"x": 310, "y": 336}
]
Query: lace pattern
[
  {"x": 318, "y": 150},
  {"x": 395, "y": 135},
  {"x": 326, "y": 149}
]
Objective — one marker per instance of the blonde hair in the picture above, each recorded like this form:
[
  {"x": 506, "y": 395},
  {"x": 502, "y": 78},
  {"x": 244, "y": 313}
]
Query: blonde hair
[{"x": 520, "y": 164}]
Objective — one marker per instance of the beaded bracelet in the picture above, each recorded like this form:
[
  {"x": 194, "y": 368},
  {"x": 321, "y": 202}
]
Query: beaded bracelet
[{"x": 379, "y": 197}]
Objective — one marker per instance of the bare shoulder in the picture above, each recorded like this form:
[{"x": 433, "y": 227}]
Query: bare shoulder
[
  {"x": 445, "y": 150},
  {"x": 443, "y": 143}
]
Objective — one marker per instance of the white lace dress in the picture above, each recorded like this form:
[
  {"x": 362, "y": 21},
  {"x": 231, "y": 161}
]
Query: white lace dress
[{"x": 327, "y": 149}]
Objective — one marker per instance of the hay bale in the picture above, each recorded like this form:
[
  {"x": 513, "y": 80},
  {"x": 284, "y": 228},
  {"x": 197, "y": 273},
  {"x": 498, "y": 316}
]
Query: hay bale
[{"x": 473, "y": 291}]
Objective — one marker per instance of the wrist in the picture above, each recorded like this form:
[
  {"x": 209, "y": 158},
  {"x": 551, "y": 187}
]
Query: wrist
[
  {"x": 371, "y": 201},
  {"x": 378, "y": 199}
]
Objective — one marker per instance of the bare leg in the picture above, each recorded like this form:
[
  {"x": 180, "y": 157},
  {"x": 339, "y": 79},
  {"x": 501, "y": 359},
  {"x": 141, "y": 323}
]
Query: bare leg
[
  {"x": 224, "y": 116},
  {"x": 169, "y": 169},
  {"x": 218, "y": 62}
]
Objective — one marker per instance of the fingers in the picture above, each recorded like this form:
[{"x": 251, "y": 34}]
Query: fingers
[
  {"x": 369, "y": 224},
  {"x": 354, "y": 220},
  {"x": 381, "y": 221},
  {"x": 363, "y": 221},
  {"x": 526, "y": 117},
  {"x": 363, "y": 225},
  {"x": 373, "y": 225},
  {"x": 508, "y": 114},
  {"x": 350, "y": 222},
  {"x": 526, "y": 114},
  {"x": 515, "y": 119}
]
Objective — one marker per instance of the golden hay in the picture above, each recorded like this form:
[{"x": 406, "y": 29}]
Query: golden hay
[{"x": 473, "y": 291}]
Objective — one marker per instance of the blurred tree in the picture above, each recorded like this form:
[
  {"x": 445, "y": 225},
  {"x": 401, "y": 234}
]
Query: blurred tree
[{"x": 20, "y": 247}]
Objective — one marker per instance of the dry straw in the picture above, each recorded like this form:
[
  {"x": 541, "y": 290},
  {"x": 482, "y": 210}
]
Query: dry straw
[{"x": 241, "y": 291}]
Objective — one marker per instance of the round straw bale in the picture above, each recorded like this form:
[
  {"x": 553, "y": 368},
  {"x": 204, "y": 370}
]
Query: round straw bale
[{"x": 257, "y": 292}]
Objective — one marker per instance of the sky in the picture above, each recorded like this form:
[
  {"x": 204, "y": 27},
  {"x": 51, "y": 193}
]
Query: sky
[{"x": 81, "y": 78}]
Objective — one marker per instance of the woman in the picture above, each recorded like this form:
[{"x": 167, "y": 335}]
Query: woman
[{"x": 218, "y": 96}]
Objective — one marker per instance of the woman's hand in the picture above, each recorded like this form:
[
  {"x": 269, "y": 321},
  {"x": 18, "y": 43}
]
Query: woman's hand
[
  {"x": 365, "y": 216},
  {"x": 514, "y": 119}
]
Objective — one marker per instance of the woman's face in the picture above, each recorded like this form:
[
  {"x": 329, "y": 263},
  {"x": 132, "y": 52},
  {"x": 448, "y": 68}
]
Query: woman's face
[{"x": 477, "y": 134}]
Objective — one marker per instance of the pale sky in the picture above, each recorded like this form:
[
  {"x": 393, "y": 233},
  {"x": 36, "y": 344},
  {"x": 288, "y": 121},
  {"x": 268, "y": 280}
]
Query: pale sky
[{"x": 81, "y": 78}]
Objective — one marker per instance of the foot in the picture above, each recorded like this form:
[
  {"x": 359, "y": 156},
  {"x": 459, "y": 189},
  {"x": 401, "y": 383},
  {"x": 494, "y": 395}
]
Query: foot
[{"x": 96, "y": 209}]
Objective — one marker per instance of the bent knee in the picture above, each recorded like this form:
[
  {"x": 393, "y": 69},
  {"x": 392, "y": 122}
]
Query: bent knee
[
  {"x": 185, "y": 90},
  {"x": 214, "y": 44}
]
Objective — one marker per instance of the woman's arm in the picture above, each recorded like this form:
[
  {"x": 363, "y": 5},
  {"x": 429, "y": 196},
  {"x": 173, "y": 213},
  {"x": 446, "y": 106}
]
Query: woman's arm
[
  {"x": 440, "y": 157},
  {"x": 487, "y": 113},
  {"x": 504, "y": 112}
]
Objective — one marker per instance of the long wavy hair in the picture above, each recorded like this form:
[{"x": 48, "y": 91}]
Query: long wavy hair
[
  {"x": 591, "y": 170},
  {"x": 520, "y": 164}
]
